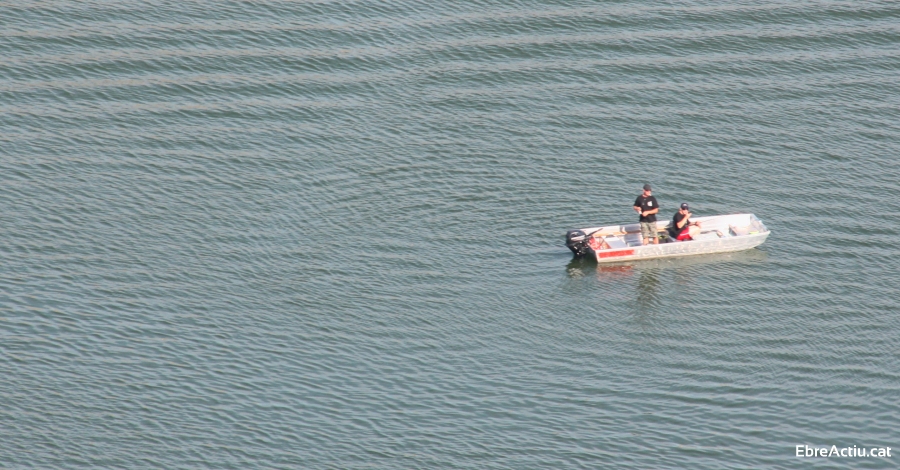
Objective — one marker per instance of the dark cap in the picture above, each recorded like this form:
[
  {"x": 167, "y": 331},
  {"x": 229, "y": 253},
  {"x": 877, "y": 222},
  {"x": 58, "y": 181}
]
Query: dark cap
[
  {"x": 647, "y": 187},
  {"x": 684, "y": 206}
]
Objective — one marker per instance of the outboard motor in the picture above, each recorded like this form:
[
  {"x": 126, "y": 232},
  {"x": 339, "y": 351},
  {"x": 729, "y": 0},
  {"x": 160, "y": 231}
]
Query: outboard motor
[{"x": 577, "y": 240}]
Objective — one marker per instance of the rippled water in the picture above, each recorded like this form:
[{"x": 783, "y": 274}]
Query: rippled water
[{"x": 325, "y": 234}]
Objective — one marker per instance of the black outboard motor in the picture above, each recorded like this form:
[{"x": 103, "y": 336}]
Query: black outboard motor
[{"x": 577, "y": 240}]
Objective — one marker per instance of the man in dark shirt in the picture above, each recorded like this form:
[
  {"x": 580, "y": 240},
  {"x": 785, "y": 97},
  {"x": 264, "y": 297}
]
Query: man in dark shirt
[
  {"x": 682, "y": 229},
  {"x": 646, "y": 205}
]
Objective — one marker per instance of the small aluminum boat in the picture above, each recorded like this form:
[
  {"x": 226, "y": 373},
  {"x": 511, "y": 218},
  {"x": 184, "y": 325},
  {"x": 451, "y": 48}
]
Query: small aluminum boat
[{"x": 719, "y": 234}]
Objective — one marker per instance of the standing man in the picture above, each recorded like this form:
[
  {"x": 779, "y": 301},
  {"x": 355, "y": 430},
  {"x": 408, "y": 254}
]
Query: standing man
[{"x": 646, "y": 205}]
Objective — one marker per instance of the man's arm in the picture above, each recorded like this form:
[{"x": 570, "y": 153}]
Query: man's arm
[
  {"x": 689, "y": 214},
  {"x": 650, "y": 212},
  {"x": 684, "y": 221}
]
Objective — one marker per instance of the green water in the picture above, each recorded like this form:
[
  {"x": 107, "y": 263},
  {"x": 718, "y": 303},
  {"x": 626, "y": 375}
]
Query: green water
[{"x": 330, "y": 234}]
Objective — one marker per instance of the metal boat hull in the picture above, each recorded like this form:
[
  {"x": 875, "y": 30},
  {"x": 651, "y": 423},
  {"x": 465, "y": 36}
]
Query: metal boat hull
[{"x": 721, "y": 234}]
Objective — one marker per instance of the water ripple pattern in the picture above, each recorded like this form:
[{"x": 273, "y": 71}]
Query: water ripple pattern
[{"x": 319, "y": 234}]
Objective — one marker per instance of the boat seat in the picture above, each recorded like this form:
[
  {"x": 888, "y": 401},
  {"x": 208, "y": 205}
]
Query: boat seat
[
  {"x": 739, "y": 231},
  {"x": 633, "y": 239},
  {"x": 711, "y": 235},
  {"x": 615, "y": 242}
]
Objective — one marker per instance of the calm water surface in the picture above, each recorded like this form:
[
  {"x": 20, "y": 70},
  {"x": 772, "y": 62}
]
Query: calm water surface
[{"x": 320, "y": 234}]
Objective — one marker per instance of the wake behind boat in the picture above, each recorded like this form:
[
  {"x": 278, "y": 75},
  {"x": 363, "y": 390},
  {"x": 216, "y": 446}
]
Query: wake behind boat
[{"x": 720, "y": 234}]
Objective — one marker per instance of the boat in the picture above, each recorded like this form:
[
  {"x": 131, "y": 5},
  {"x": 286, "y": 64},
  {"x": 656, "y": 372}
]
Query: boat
[{"x": 719, "y": 234}]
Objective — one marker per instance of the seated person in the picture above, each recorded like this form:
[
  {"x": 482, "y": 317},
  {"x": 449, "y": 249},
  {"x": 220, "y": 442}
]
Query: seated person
[{"x": 681, "y": 228}]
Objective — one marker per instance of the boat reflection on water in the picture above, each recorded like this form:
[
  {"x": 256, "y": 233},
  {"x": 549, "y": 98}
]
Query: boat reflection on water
[
  {"x": 648, "y": 296},
  {"x": 653, "y": 275}
]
